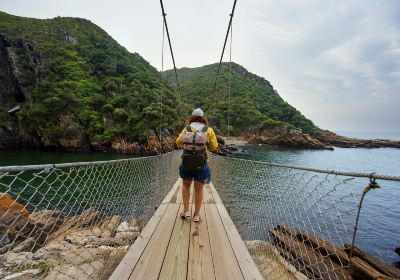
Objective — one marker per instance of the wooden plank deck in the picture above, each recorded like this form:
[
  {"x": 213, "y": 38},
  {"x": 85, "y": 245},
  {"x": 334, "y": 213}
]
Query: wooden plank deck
[{"x": 170, "y": 247}]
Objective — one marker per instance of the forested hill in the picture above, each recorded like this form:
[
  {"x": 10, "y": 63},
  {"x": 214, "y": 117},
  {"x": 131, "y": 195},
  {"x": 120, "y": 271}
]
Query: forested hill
[
  {"x": 65, "y": 84},
  {"x": 74, "y": 83},
  {"x": 255, "y": 105}
]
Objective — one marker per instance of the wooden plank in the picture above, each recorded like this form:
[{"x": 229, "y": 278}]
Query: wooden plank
[
  {"x": 173, "y": 191},
  {"x": 321, "y": 267},
  {"x": 296, "y": 263},
  {"x": 191, "y": 199},
  {"x": 325, "y": 247},
  {"x": 175, "y": 195},
  {"x": 176, "y": 258},
  {"x": 207, "y": 195},
  {"x": 215, "y": 195},
  {"x": 362, "y": 270},
  {"x": 245, "y": 261},
  {"x": 224, "y": 259},
  {"x": 179, "y": 194},
  {"x": 200, "y": 266},
  {"x": 375, "y": 262},
  {"x": 128, "y": 263},
  {"x": 149, "y": 265}
]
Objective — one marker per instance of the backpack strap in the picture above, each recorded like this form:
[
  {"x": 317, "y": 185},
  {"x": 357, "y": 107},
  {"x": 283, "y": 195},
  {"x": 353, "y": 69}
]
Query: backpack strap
[{"x": 205, "y": 128}]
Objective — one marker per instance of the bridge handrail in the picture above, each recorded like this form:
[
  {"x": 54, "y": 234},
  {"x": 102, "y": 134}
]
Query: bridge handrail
[
  {"x": 372, "y": 175},
  {"x": 94, "y": 207},
  {"x": 13, "y": 168},
  {"x": 298, "y": 212}
]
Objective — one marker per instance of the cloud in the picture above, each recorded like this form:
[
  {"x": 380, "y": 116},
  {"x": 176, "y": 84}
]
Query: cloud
[{"x": 336, "y": 61}]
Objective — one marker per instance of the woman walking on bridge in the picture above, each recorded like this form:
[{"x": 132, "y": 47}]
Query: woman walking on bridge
[{"x": 195, "y": 139}]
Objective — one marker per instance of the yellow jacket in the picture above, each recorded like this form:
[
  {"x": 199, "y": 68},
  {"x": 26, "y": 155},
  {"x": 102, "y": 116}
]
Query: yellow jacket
[{"x": 212, "y": 143}]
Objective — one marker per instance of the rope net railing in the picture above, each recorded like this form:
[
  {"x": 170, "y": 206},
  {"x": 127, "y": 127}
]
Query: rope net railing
[
  {"x": 299, "y": 223},
  {"x": 76, "y": 221}
]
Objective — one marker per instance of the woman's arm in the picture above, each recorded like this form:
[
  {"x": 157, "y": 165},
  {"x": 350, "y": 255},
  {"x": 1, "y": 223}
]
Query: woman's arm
[
  {"x": 212, "y": 140},
  {"x": 179, "y": 140}
]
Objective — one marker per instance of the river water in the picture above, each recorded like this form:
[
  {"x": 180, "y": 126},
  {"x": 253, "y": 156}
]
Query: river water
[
  {"x": 379, "y": 227},
  {"x": 380, "y": 219},
  {"x": 15, "y": 157}
]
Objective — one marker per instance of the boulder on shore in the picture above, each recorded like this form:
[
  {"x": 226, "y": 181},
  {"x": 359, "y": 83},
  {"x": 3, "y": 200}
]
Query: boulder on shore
[
  {"x": 49, "y": 244},
  {"x": 270, "y": 264},
  {"x": 84, "y": 245},
  {"x": 285, "y": 136},
  {"x": 331, "y": 138},
  {"x": 10, "y": 208},
  {"x": 14, "y": 221},
  {"x": 47, "y": 222}
]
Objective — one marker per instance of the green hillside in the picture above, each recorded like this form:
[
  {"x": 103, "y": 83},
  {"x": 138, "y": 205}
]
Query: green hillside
[
  {"x": 66, "y": 84},
  {"x": 71, "y": 78},
  {"x": 254, "y": 103}
]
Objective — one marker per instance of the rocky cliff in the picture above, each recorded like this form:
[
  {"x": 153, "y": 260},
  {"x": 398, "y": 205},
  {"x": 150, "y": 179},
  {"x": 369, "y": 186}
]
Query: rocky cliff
[
  {"x": 65, "y": 84},
  {"x": 285, "y": 136},
  {"x": 336, "y": 140},
  {"x": 50, "y": 244},
  {"x": 288, "y": 136}
]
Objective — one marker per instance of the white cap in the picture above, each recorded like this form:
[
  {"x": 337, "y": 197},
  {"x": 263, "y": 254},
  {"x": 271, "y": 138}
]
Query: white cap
[{"x": 198, "y": 112}]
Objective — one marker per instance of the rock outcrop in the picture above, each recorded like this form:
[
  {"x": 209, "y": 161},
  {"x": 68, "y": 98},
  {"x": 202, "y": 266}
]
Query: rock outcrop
[
  {"x": 331, "y": 138},
  {"x": 15, "y": 224},
  {"x": 59, "y": 246},
  {"x": 66, "y": 85},
  {"x": 11, "y": 139},
  {"x": 7, "y": 50},
  {"x": 151, "y": 146},
  {"x": 285, "y": 136},
  {"x": 269, "y": 262}
]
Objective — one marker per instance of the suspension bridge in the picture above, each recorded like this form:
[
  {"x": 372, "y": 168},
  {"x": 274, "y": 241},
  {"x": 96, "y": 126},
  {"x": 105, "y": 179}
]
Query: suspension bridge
[
  {"x": 174, "y": 248},
  {"x": 119, "y": 219}
]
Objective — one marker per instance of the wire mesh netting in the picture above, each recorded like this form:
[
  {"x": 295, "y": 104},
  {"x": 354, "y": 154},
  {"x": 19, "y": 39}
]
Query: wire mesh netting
[
  {"x": 76, "y": 221},
  {"x": 299, "y": 223}
]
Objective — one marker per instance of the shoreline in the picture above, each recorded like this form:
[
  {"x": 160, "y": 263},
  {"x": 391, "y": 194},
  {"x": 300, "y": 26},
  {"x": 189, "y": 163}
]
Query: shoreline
[
  {"x": 227, "y": 145},
  {"x": 235, "y": 141},
  {"x": 43, "y": 244}
]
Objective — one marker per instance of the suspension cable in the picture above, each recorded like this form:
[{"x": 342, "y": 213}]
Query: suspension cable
[
  {"x": 230, "y": 77},
  {"x": 223, "y": 49},
  {"x": 162, "y": 84},
  {"x": 170, "y": 45}
]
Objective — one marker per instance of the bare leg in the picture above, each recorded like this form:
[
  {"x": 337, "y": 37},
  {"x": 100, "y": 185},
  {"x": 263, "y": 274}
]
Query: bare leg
[
  {"x": 186, "y": 194},
  {"x": 198, "y": 198}
]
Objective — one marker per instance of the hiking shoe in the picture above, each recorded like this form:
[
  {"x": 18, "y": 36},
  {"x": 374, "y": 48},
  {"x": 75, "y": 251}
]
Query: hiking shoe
[
  {"x": 186, "y": 214},
  {"x": 196, "y": 218}
]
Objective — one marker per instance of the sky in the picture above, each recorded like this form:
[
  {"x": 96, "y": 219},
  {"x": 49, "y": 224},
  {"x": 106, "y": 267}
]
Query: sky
[{"x": 336, "y": 61}]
